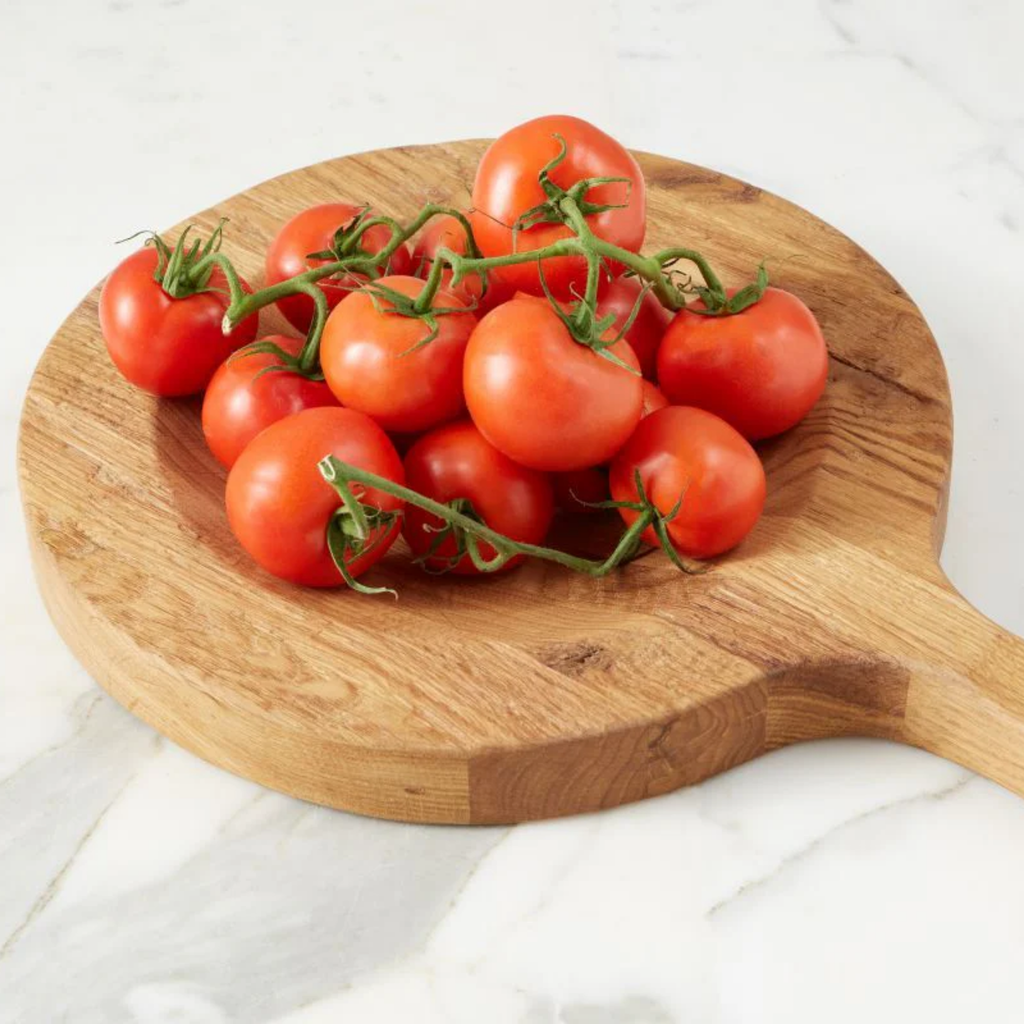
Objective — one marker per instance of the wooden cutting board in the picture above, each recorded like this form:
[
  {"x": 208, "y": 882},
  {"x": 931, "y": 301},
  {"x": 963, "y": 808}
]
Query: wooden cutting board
[{"x": 536, "y": 693}]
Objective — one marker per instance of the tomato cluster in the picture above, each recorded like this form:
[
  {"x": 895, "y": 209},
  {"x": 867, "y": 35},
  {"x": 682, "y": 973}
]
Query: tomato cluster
[{"x": 524, "y": 355}]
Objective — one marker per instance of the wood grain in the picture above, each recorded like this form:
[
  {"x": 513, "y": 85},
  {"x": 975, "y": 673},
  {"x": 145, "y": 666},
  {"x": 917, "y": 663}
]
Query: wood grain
[{"x": 539, "y": 693}]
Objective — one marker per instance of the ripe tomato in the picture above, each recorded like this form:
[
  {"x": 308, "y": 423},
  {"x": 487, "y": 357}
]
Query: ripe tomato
[
  {"x": 579, "y": 490},
  {"x": 241, "y": 401},
  {"x": 683, "y": 452},
  {"x": 506, "y": 187},
  {"x": 167, "y": 346},
  {"x": 619, "y": 296},
  {"x": 761, "y": 369},
  {"x": 279, "y": 506},
  {"x": 371, "y": 363},
  {"x": 456, "y": 461},
  {"x": 653, "y": 399},
  {"x": 446, "y": 231},
  {"x": 312, "y": 231},
  {"x": 542, "y": 398}
]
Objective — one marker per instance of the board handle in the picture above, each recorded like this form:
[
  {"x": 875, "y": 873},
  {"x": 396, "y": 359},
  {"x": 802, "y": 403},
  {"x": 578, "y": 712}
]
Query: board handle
[{"x": 965, "y": 702}]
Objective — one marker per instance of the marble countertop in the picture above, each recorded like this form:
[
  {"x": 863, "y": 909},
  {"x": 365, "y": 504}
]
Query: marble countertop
[{"x": 839, "y": 881}]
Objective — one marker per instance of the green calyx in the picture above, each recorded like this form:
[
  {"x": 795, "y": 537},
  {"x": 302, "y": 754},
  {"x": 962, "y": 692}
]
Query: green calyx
[
  {"x": 187, "y": 268},
  {"x": 463, "y": 542},
  {"x": 356, "y": 529},
  {"x": 390, "y": 301},
  {"x": 286, "y": 362},
  {"x": 587, "y": 328},
  {"x": 345, "y": 243},
  {"x": 551, "y": 210},
  {"x": 716, "y": 300}
]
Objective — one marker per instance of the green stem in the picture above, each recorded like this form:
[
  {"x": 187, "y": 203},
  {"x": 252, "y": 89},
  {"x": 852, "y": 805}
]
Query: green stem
[
  {"x": 711, "y": 279},
  {"x": 583, "y": 243},
  {"x": 586, "y": 237},
  {"x": 339, "y": 474},
  {"x": 311, "y": 350},
  {"x": 648, "y": 269},
  {"x": 461, "y": 266},
  {"x": 235, "y": 289}
]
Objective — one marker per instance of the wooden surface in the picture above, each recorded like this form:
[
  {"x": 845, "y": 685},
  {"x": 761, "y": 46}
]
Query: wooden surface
[{"x": 538, "y": 693}]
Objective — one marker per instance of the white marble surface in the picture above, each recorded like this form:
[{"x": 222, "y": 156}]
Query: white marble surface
[{"x": 842, "y": 881}]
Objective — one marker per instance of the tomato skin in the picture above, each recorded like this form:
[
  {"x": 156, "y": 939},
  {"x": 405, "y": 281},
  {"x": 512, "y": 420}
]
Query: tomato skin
[
  {"x": 579, "y": 490},
  {"x": 618, "y": 296},
  {"x": 167, "y": 346},
  {"x": 446, "y": 231},
  {"x": 680, "y": 450},
  {"x": 506, "y": 187},
  {"x": 367, "y": 363},
  {"x": 542, "y": 398},
  {"x": 654, "y": 399},
  {"x": 279, "y": 505},
  {"x": 456, "y": 461},
  {"x": 240, "y": 401},
  {"x": 761, "y": 370},
  {"x": 312, "y": 230}
]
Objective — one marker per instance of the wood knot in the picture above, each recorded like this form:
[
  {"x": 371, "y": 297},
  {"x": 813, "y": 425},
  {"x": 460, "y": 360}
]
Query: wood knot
[{"x": 575, "y": 658}]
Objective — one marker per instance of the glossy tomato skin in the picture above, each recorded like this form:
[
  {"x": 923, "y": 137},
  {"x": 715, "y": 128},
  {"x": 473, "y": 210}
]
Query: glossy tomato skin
[
  {"x": 312, "y": 230},
  {"x": 367, "y": 363},
  {"x": 618, "y": 296},
  {"x": 542, "y": 398},
  {"x": 506, "y": 187},
  {"x": 688, "y": 452},
  {"x": 761, "y": 370},
  {"x": 167, "y": 346},
  {"x": 240, "y": 400},
  {"x": 654, "y": 399},
  {"x": 279, "y": 505},
  {"x": 446, "y": 231},
  {"x": 456, "y": 461}
]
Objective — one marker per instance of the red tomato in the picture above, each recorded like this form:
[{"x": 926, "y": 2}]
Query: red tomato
[
  {"x": 653, "y": 399},
  {"x": 167, "y": 346},
  {"x": 581, "y": 489},
  {"x": 446, "y": 231},
  {"x": 506, "y": 187},
  {"x": 619, "y": 296},
  {"x": 367, "y": 358},
  {"x": 312, "y": 231},
  {"x": 455, "y": 461},
  {"x": 761, "y": 369},
  {"x": 279, "y": 506},
  {"x": 241, "y": 401},
  {"x": 542, "y": 398},
  {"x": 687, "y": 453}
]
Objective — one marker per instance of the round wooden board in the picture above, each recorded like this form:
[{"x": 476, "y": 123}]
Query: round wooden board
[{"x": 536, "y": 693}]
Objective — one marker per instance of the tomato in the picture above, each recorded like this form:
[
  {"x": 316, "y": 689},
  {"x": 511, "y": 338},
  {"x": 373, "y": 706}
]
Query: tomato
[
  {"x": 165, "y": 345},
  {"x": 653, "y": 399},
  {"x": 456, "y": 461},
  {"x": 542, "y": 398},
  {"x": 446, "y": 231},
  {"x": 687, "y": 453},
  {"x": 312, "y": 231},
  {"x": 241, "y": 400},
  {"x": 761, "y": 369},
  {"x": 279, "y": 506},
  {"x": 371, "y": 363},
  {"x": 506, "y": 187},
  {"x": 579, "y": 490},
  {"x": 619, "y": 296}
]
